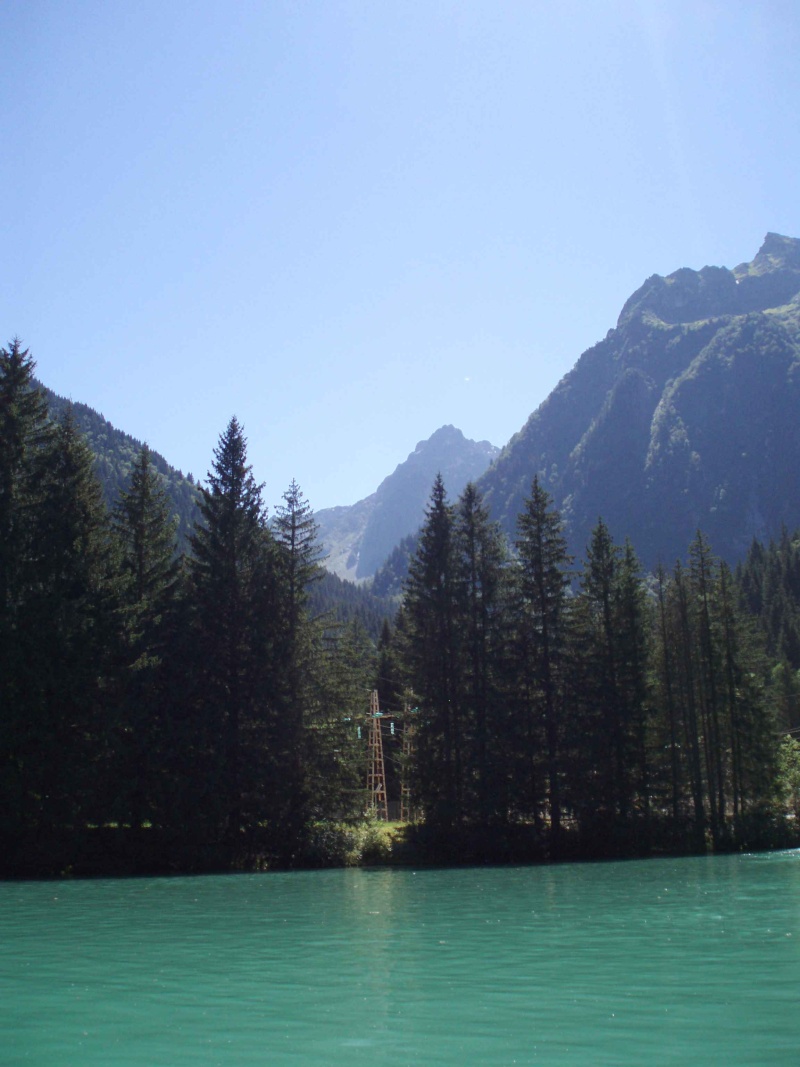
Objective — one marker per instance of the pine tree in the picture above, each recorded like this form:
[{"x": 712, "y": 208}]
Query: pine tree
[
  {"x": 709, "y": 678},
  {"x": 541, "y": 639},
  {"x": 433, "y": 660},
  {"x": 749, "y": 721},
  {"x": 234, "y": 593},
  {"x": 597, "y": 735},
  {"x": 146, "y": 529},
  {"x": 612, "y": 668},
  {"x": 668, "y": 725},
  {"x": 297, "y": 533},
  {"x": 633, "y": 623},
  {"x": 768, "y": 584},
  {"x": 146, "y": 532},
  {"x": 481, "y": 585},
  {"x": 712, "y": 702},
  {"x": 294, "y": 744},
  {"x": 25, "y": 435},
  {"x": 686, "y": 678},
  {"x": 71, "y": 626},
  {"x": 389, "y": 679}
]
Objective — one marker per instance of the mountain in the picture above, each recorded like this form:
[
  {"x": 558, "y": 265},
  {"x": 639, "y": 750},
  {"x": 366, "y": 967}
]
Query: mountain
[
  {"x": 359, "y": 537},
  {"x": 115, "y": 453},
  {"x": 685, "y": 416}
]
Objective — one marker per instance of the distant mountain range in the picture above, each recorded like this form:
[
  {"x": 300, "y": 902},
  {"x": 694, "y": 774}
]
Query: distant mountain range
[
  {"x": 358, "y": 538},
  {"x": 685, "y": 416}
]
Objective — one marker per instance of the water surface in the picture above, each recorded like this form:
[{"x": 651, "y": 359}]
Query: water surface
[{"x": 693, "y": 961}]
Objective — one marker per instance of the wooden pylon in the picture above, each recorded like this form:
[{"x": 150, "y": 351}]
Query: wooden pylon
[{"x": 376, "y": 774}]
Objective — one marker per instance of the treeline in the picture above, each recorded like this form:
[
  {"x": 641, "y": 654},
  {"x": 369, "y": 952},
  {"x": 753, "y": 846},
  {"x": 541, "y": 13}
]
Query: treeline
[
  {"x": 769, "y": 584},
  {"x": 162, "y": 712},
  {"x": 345, "y": 602},
  {"x": 166, "y": 711},
  {"x": 589, "y": 711}
]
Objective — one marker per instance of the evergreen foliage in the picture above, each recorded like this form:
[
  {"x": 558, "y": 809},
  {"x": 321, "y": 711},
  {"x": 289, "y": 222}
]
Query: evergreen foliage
[
  {"x": 168, "y": 713},
  {"x": 609, "y": 719},
  {"x": 337, "y": 601},
  {"x": 115, "y": 456},
  {"x": 768, "y": 581},
  {"x": 146, "y": 532},
  {"x": 540, "y": 645},
  {"x": 433, "y": 653},
  {"x": 389, "y": 578},
  {"x": 234, "y": 591}
]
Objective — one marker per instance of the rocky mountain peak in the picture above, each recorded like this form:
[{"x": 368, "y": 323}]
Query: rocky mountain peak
[
  {"x": 359, "y": 538},
  {"x": 778, "y": 252},
  {"x": 684, "y": 416},
  {"x": 771, "y": 279}
]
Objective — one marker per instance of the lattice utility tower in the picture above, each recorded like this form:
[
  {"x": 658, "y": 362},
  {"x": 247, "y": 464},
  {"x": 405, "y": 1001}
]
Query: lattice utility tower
[{"x": 376, "y": 775}]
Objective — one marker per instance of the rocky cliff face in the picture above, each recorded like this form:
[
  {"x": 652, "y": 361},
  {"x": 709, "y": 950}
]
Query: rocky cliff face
[
  {"x": 686, "y": 415},
  {"x": 358, "y": 538}
]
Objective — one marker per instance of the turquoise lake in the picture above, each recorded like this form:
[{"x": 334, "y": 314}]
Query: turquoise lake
[{"x": 690, "y": 961}]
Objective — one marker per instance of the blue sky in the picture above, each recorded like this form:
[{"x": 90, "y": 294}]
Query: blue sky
[{"x": 349, "y": 223}]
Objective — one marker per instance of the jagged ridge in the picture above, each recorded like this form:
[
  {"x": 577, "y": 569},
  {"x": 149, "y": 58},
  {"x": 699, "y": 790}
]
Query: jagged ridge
[
  {"x": 684, "y": 416},
  {"x": 358, "y": 538}
]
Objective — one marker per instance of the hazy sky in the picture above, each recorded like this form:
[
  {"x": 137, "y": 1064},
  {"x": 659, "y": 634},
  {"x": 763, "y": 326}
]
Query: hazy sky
[{"x": 349, "y": 223}]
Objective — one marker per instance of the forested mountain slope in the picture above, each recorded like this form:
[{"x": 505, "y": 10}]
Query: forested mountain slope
[
  {"x": 359, "y": 537},
  {"x": 685, "y": 416},
  {"x": 115, "y": 453}
]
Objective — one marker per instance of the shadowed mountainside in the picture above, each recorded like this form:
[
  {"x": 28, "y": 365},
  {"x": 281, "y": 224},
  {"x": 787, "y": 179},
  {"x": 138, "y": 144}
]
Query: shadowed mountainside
[
  {"x": 684, "y": 416},
  {"x": 115, "y": 453}
]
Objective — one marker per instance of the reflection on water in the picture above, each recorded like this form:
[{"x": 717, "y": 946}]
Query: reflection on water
[{"x": 673, "y": 961}]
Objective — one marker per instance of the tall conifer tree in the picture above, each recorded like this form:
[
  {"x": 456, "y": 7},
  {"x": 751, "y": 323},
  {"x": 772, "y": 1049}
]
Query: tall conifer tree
[
  {"x": 481, "y": 583},
  {"x": 145, "y": 529},
  {"x": 612, "y": 757},
  {"x": 234, "y": 594},
  {"x": 296, "y": 746},
  {"x": 433, "y": 657},
  {"x": 71, "y": 622},
  {"x": 25, "y": 435},
  {"x": 542, "y": 646}
]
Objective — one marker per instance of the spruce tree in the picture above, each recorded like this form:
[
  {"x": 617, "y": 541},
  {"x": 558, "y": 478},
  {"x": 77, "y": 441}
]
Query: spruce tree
[
  {"x": 233, "y": 592},
  {"x": 541, "y": 645},
  {"x": 389, "y": 679},
  {"x": 667, "y": 719},
  {"x": 295, "y": 744},
  {"x": 433, "y": 660},
  {"x": 71, "y": 626},
  {"x": 633, "y": 624},
  {"x": 146, "y": 531},
  {"x": 481, "y": 584},
  {"x": 25, "y": 435},
  {"x": 749, "y": 719},
  {"x": 686, "y": 678},
  {"x": 612, "y": 656},
  {"x": 599, "y": 773}
]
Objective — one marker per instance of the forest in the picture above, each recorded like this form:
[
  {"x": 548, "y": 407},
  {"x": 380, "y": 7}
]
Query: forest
[{"x": 187, "y": 711}]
